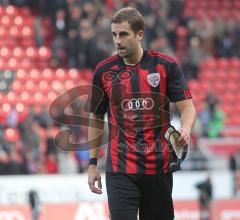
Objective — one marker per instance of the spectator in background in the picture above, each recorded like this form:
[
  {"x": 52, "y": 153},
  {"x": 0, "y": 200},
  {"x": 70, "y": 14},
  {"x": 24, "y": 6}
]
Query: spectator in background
[
  {"x": 161, "y": 44},
  {"x": 60, "y": 23},
  {"x": 87, "y": 44},
  {"x": 204, "y": 118},
  {"x": 205, "y": 197},
  {"x": 194, "y": 55},
  {"x": 38, "y": 29},
  {"x": 234, "y": 161},
  {"x": 3, "y": 162},
  {"x": 72, "y": 48},
  {"x": 51, "y": 163},
  {"x": 225, "y": 45},
  {"x": 211, "y": 117},
  {"x": 216, "y": 123},
  {"x": 35, "y": 204},
  {"x": 13, "y": 117},
  {"x": 234, "y": 165},
  {"x": 58, "y": 52},
  {"x": 74, "y": 13}
]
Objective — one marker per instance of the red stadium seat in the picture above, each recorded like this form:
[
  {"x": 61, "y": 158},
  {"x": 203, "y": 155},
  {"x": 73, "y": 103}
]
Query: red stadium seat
[
  {"x": 233, "y": 76},
  {"x": 1, "y": 97},
  {"x": 221, "y": 75},
  {"x": 18, "y": 21},
  {"x": 211, "y": 14},
  {"x": 190, "y": 5},
  {"x": 30, "y": 86},
  {"x": 193, "y": 85},
  {"x": 223, "y": 63},
  {"x": 6, "y": 107},
  {"x": 26, "y": 64},
  {"x": 207, "y": 75},
  {"x": 73, "y": 74},
  {"x": 237, "y": 96},
  {"x": 25, "y": 11},
  {"x": 13, "y": 64},
  {"x": 228, "y": 98},
  {"x": 3, "y": 32},
  {"x": 11, "y": 134},
  {"x": 16, "y": 86},
  {"x": 32, "y": 53},
  {"x": 231, "y": 86},
  {"x": 48, "y": 75},
  {"x": 202, "y": 5},
  {"x": 226, "y": 5},
  {"x": 3, "y": 64},
  {"x": 29, "y": 21},
  {"x": 236, "y": 4},
  {"x": 28, "y": 42},
  {"x": 5, "y": 21},
  {"x": 11, "y": 11},
  {"x": 44, "y": 53},
  {"x": 57, "y": 85},
  {"x": 61, "y": 74},
  {"x": 12, "y": 99},
  {"x": 69, "y": 84},
  {"x": 34, "y": 75},
  {"x": 24, "y": 96},
  {"x": 213, "y": 5},
  {"x": 51, "y": 96},
  {"x": 235, "y": 120},
  {"x": 226, "y": 108},
  {"x": 87, "y": 75},
  {"x": 5, "y": 53},
  {"x": 39, "y": 99},
  {"x": 209, "y": 64},
  {"x": 234, "y": 63},
  {"x": 44, "y": 87},
  {"x": 21, "y": 75},
  {"x": 2, "y": 10},
  {"x": 205, "y": 86},
  {"x": 18, "y": 53},
  {"x": 27, "y": 32},
  {"x": 219, "y": 86},
  {"x": 3, "y": 116}
]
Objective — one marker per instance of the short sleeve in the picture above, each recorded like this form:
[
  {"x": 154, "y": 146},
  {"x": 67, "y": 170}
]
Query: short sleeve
[
  {"x": 98, "y": 104},
  {"x": 177, "y": 88}
]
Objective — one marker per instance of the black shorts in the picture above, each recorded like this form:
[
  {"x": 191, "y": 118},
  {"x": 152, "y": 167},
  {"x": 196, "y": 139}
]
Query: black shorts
[{"x": 150, "y": 196}]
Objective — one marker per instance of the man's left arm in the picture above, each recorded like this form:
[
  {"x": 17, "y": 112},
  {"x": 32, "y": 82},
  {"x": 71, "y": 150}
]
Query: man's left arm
[{"x": 188, "y": 115}]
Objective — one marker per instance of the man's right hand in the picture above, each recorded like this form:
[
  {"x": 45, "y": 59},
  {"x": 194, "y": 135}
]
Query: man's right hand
[{"x": 94, "y": 176}]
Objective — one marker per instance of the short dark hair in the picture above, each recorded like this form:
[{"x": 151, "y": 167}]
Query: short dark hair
[{"x": 130, "y": 15}]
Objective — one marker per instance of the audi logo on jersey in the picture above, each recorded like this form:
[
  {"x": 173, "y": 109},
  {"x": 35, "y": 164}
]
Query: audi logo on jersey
[{"x": 137, "y": 104}]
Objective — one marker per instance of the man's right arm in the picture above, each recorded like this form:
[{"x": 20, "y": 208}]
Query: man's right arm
[{"x": 96, "y": 124}]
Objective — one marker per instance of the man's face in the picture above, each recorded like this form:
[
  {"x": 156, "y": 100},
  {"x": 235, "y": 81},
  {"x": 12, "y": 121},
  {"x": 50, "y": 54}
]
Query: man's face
[{"x": 125, "y": 40}]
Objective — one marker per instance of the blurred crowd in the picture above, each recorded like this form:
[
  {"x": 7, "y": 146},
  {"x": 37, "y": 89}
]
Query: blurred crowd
[
  {"x": 28, "y": 143},
  {"x": 82, "y": 38}
]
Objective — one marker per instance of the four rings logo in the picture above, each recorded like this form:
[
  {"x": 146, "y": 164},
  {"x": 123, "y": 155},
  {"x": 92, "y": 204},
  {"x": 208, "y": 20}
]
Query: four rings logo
[{"x": 137, "y": 104}]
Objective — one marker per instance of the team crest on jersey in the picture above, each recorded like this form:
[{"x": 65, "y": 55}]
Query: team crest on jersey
[{"x": 153, "y": 79}]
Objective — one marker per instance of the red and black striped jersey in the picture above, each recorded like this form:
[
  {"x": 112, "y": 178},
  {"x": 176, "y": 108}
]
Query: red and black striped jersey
[{"x": 136, "y": 99}]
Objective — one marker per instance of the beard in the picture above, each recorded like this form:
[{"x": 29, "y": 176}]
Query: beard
[{"x": 126, "y": 52}]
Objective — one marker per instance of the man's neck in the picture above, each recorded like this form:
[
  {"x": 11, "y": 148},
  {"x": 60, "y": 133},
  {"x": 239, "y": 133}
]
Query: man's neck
[{"x": 134, "y": 60}]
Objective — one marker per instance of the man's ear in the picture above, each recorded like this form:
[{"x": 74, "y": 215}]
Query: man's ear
[{"x": 140, "y": 35}]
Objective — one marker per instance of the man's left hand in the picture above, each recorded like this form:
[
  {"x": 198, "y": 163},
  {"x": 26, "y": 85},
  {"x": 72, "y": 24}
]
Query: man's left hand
[{"x": 184, "y": 138}]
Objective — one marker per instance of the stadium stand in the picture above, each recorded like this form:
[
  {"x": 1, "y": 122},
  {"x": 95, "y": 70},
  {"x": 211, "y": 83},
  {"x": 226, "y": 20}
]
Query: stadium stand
[{"x": 46, "y": 48}]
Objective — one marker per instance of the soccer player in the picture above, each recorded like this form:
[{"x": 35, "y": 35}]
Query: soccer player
[{"x": 137, "y": 86}]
